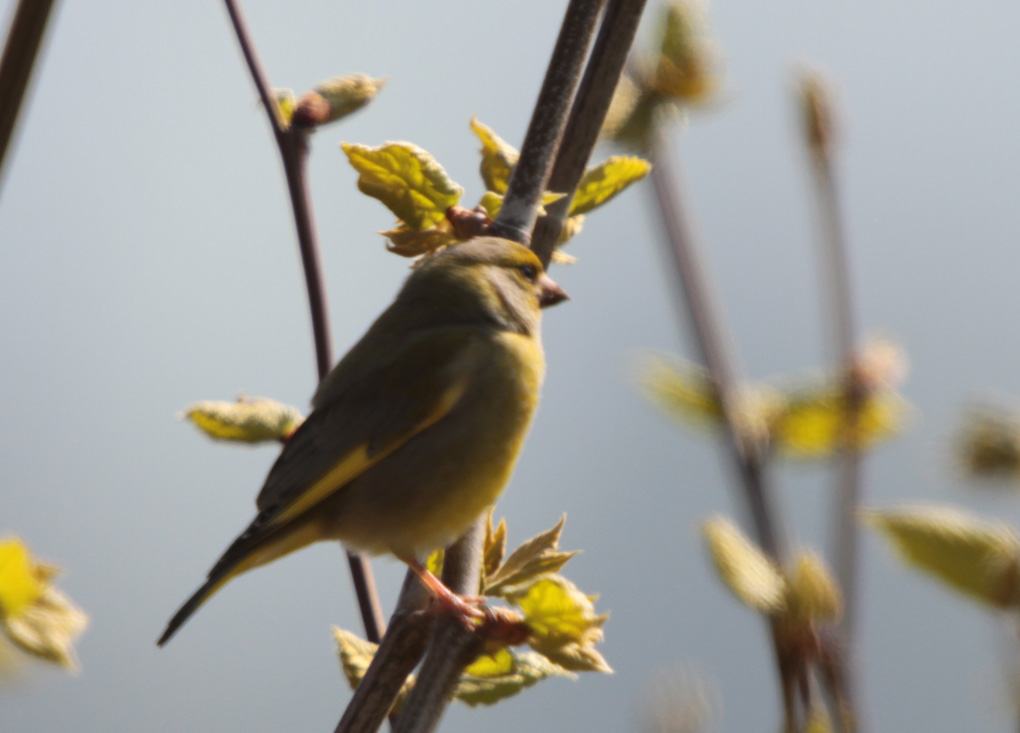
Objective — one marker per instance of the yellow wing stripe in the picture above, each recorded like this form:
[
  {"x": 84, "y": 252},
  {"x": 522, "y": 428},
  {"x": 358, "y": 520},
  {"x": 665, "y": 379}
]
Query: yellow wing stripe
[{"x": 358, "y": 460}]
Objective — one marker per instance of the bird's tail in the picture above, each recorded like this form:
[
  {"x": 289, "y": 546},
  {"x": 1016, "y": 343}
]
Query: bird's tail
[
  {"x": 199, "y": 597},
  {"x": 256, "y": 546}
]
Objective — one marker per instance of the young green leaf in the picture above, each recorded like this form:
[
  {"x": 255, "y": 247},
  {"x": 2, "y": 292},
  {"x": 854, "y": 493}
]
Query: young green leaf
[
  {"x": 979, "y": 559},
  {"x": 812, "y": 594},
  {"x": 604, "y": 181},
  {"x": 285, "y": 104},
  {"x": 495, "y": 545},
  {"x": 336, "y": 98},
  {"x": 407, "y": 180},
  {"x": 743, "y": 567},
  {"x": 498, "y": 157},
  {"x": 48, "y": 627},
  {"x": 564, "y": 625},
  {"x": 490, "y": 679},
  {"x": 19, "y": 584},
  {"x": 685, "y": 68},
  {"x": 248, "y": 420},
  {"x": 989, "y": 442},
  {"x": 355, "y": 656},
  {"x": 686, "y": 391},
  {"x": 533, "y": 558},
  {"x": 413, "y": 243},
  {"x": 809, "y": 422}
]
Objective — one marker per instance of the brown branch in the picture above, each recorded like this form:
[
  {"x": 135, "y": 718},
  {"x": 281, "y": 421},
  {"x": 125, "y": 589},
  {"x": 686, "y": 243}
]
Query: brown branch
[
  {"x": 601, "y": 76},
  {"x": 818, "y": 116},
  {"x": 293, "y": 146},
  {"x": 24, "y": 38},
  {"x": 400, "y": 651},
  {"x": 541, "y": 143},
  {"x": 747, "y": 451}
]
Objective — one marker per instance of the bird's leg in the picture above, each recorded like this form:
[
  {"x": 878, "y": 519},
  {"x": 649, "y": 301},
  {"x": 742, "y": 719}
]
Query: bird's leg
[{"x": 462, "y": 607}]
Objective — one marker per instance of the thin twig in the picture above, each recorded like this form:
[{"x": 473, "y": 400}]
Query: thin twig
[
  {"x": 819, "y": 134},
  {"x": 747, "y": 451},
  {"x": 601, "y": 76},
  {"x": 293, "y": 145},
  {"x": 24, "y": 38},
  {"x": 541, "y": 143}
]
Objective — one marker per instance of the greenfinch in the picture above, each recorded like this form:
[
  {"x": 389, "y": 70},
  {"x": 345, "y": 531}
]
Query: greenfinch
[{"x": 415, "y": 432}]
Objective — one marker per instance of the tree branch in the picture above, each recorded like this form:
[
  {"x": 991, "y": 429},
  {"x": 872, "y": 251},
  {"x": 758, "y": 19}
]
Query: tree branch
[
  {"x": 293, "y": 146},
  {"x": 601, "y": 76},
  {"x": 24, "y": 38},
  {"x": 541, "y": 144}
]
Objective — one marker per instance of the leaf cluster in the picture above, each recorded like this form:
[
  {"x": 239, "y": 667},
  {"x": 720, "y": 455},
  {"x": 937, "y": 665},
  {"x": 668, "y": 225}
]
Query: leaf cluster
[
  {"x": 426, "y": 201},
  {"x": 682, "y": 70},
  {"x": 805, "y": 418},
  {"x": 37, "y": 617},
  {"x": 561, "y": 622}
]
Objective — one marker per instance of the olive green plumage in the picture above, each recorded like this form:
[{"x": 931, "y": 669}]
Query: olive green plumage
[{"x": 417, "y": 429}]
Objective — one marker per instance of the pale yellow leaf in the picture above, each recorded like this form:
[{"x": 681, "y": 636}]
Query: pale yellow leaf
[
  {"x": 812, "y": 593},
  {"x": 406, "y": 179},
  {"x": 979, "y": 559},
  {"x": 248, "y": 420},
  {"x": 48, "y": 627},
  {"x": 532, "y": 558},
  {"x": 498, "y": 157},
  {"x": 490, "y": 679},
  {"x": 347, "y": 94},
  {"x": 602, "y": 182},
  {"x": 745, "y": 569},
  {"x": 20, "y": 585}
]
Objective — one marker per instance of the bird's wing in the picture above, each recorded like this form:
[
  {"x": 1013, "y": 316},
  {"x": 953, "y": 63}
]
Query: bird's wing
[{"x": 375, "y": 403}]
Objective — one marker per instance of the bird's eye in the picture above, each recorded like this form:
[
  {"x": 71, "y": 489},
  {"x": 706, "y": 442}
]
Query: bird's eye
[{"x": 529, "y": 272}]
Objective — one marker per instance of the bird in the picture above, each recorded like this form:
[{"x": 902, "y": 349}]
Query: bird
[{"x": 416, "y": 430}]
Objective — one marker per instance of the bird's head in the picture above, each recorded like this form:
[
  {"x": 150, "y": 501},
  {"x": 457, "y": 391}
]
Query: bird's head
[{"x": 485, "y": 280}]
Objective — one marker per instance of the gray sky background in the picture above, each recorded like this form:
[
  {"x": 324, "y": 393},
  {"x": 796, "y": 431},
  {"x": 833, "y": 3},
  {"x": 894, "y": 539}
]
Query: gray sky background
[{"x": 147, "y": 260}]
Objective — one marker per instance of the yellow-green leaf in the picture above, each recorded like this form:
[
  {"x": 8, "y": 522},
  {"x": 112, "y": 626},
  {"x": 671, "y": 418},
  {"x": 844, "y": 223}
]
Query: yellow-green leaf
[
  {"x": 19, "y": 584},
  {"x": 743, "y": 567},
  {"x": 493, "y": 202},
  {"x": 356, "y": 655},
  {"x": 495, "y": 545},
  {"x": 407, "y": 180},
  {"x": 602, "y": 182},
  {"x": 812, "y": 594},
  {"x": 248, "y": 420},
  {"x": 564, "y": 625},
  {"x": 490, "y": 679},
  {"x": 413, "y": 243},
  {"x": 346, "y": 94},
  {"x": 989, "y": 442},
  {"x": 818, "y": 720},
  {"x": 48, "y": 627},
  {"x": 533, "y": 558},
  {"x": 498, "y": 157},
  {"x": 810, "y": 422},
  {"x": 685, "y": 391},
  {"x": 285, "y": 104},
  {"x": 979, "y": 559},
  {"x": 572, "y": 226},
  {"x": 687, "y": 61},
  {"x": 434, "y": 563}
]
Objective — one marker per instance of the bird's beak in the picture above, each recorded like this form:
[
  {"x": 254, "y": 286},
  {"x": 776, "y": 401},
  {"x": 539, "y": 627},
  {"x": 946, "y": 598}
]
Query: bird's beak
[{"x": 549, "y": 293}]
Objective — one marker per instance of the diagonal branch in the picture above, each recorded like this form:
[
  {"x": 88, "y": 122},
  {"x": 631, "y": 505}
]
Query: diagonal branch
[
  {"x": 608, "y": 57},
  {"x": 541, "y": 144},
  {"x": 24, "y": 37},
  {"x": 293, "y": 145}
]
